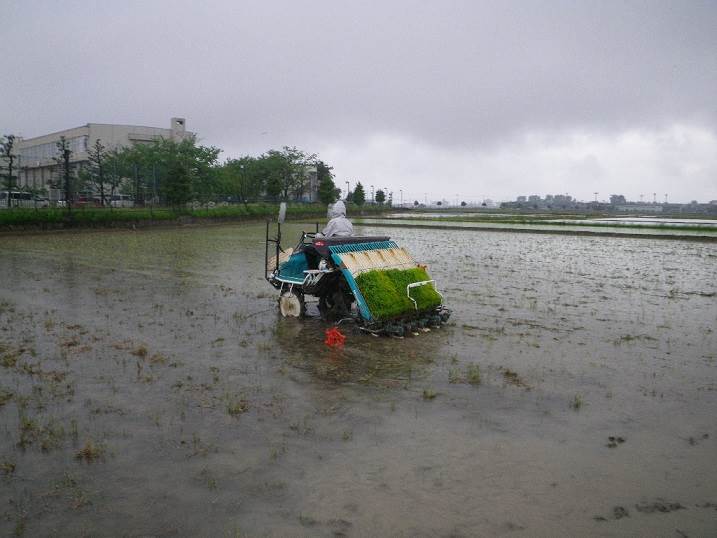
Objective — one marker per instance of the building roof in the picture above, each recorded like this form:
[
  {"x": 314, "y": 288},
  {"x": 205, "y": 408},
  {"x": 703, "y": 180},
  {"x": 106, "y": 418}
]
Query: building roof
[{"x": 87, "y": 125}]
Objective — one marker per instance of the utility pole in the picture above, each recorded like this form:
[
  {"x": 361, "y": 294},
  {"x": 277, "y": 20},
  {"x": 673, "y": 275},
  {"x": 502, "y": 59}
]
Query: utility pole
[
  {"x": 641, "y": 198},
  {"x": 348, "y": 190},
  {"x": 401, "y": 191},
  {"x": 654, "y": 197},
  {"x": 66, "y": 152},
  {"x": 595, "y": 193},
  {"x": 665, "y": 197},
  {"x": 372, "y": 195}
]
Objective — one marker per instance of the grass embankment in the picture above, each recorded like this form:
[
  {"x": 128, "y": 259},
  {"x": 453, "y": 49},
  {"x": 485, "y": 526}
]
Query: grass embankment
[
  {"x": 385, "y": 292},
  {"x": 105, "y": 217}
]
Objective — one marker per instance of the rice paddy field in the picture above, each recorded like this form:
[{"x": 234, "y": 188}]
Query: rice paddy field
[{"x": 148, "y": 387}]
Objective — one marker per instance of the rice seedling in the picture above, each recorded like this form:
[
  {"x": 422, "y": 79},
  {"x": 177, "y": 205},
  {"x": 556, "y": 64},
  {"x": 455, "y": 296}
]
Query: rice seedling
[{"x": 385, "y": 292}]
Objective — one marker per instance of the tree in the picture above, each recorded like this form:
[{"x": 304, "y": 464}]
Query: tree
[
  {"x": 177, "y": 171},
  {"x": 463, "y": 204},
  {"x": 617, "y": 199},
  {"x": 7, "y": 145},
  {"x": 288, "y": 172},
  {"x": 415, "y": 203},
  {"x": 275, "y": 170},
  {"x": 359, "y": 195},
  {"x": 380, "y": 196},
  {"x": 114, "y": 169},
  {"x": 178, "y": 188},
  {"x": 63, "y": 160},
  {"x": 243, "y": 178},
  {"x": 96, "y": 169},
  {"x": 328, "y": 193}
]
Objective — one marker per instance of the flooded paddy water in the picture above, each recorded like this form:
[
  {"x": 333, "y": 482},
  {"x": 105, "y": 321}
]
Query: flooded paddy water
[
  {"x": 148, "y": 387},
  {"x": 706, "y": 229}
]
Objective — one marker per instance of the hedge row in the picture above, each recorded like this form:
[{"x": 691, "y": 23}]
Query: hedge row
[{"x": 50, "y": 217}]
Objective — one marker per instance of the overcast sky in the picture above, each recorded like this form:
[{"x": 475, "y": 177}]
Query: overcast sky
[{"x": 439, "y": 99}]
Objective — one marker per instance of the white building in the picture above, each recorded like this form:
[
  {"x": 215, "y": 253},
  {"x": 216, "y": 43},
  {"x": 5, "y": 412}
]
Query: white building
[{"x": 36, "y": 156}]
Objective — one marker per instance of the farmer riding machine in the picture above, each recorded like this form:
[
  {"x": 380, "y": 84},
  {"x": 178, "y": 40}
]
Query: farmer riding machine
[{"x": 367, "y": 279}]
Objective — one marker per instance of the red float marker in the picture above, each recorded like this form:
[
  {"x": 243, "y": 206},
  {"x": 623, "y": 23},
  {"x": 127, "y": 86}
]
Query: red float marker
[{"x": 334, "y": 338}]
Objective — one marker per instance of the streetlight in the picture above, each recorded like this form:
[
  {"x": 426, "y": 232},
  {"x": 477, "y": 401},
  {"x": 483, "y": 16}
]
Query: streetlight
[{"x": 348, "y": 190}]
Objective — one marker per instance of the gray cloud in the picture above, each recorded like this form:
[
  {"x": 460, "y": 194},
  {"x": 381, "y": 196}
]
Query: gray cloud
[{"x": 456, "y": 76}]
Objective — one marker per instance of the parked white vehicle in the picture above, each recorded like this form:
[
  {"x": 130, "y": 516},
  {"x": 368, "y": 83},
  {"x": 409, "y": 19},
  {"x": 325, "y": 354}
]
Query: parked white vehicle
[
  {"x": 121, "y": 200},
  {"x": 22, "y": 199}
]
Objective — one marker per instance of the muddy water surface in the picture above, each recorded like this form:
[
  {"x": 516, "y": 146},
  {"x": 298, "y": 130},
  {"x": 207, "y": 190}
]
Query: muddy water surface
[{"x": 148, "y": 387}]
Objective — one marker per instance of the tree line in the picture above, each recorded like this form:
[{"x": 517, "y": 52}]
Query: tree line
[{"x": 174, "y": 173}]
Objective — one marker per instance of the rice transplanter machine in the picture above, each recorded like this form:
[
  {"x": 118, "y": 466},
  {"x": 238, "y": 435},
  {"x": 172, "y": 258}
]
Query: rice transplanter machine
[{"x": 368, "y": 279}]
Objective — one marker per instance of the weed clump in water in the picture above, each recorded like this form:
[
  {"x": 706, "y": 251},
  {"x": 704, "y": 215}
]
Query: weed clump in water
[
  {"x": 512, "y": 378},
  {"x": 90, "y": 452},
  {"x": 140, "y": 352},
  {"x": 237, "y": 407},
  {"x": 385, "y": 292},
  {"x": 577, "y": 402},
  {"x": 473, "y": 374},
  {"x": 7, "y": 468},
  {"x": 5, "y": 397},
  {"x": 429, "y": 394},
  {"x": 9, "y": 360}
]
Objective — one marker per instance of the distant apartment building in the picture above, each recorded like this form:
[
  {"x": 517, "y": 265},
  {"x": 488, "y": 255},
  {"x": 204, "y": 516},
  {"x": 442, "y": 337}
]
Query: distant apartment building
[{"x": 36, "y": 156}]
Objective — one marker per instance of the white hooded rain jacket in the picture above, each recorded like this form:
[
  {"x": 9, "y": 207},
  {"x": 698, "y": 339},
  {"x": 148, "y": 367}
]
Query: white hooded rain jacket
[{"x": 339, "y": 225}]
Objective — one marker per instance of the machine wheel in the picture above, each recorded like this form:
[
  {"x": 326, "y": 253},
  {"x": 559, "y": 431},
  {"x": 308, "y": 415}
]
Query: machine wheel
[{"x": 291, "y": 304}]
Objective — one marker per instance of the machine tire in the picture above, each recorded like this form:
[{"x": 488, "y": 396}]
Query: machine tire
[{"x": 292, "y": 304}]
